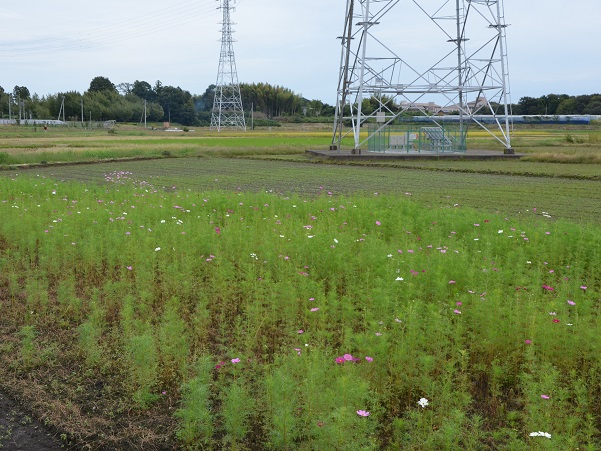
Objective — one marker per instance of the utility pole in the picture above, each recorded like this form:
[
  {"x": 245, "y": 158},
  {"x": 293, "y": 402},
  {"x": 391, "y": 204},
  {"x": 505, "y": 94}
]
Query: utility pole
[
  {"x": 62, "y": 110},
  {"x": 227, "y": 105}
]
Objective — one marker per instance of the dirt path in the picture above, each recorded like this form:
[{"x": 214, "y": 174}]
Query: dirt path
[{"x": 19, "y": 431}]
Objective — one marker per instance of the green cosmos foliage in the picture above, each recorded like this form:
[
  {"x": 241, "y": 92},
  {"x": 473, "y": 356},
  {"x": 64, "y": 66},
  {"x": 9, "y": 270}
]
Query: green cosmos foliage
[{"x": 290, "y": 323}]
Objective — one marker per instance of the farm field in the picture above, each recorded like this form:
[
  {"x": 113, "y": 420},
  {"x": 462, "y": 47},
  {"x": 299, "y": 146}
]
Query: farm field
[
  {"x": 31, "y": 145},
  {"x": 215, "y": 301},
  {"x": 565, "y": 198},
  {"x": 578, "y": 171}
]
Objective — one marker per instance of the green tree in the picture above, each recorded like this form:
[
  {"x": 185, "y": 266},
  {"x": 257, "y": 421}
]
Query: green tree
[
  {"x": 271, "y": 100},
  {"x": 99, "y": 84},
  {"x": 39, "y": 108},
  {"x": 550, "y": 102},
  {"x": 205, "y": 102},
  {"x": 72, "y": 105},
  {"x": 594, "y": 106},
  {"x": 582, "y": 103},
  {"x": 21, "y": 92},
  {"x": 124, "y": 88},
  {"x": 529, "y": 106},
  {"x": 143, "y": 90},
  {"x": 177, "y": 105},
  {"x": 567, "y": 106}
]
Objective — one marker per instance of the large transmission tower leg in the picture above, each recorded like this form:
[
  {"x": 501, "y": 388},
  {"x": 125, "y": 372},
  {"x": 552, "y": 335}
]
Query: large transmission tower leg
[
  {"x": 227, "y": 106},
  {"x": 385, "y": 75}
]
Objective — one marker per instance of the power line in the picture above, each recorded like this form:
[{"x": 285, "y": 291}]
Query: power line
[{"x": 124, "y": 30}]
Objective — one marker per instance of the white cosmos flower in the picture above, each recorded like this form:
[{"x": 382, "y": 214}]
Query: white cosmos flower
[
  {"x": 157, "y": 249},
  {"x": 423, "y": 402}
]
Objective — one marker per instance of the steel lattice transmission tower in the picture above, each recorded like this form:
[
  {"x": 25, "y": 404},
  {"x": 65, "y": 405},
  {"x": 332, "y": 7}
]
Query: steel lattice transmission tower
[
  {"x": 389, "y": 66},
  {"x": 227, "y": 106}
]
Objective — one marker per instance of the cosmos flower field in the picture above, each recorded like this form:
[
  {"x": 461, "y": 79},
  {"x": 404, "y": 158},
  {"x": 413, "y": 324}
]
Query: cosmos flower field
[{"x": 229, "y": 319}]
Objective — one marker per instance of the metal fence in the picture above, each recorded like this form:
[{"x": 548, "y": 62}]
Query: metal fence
[{"x": 417, "y": 138}]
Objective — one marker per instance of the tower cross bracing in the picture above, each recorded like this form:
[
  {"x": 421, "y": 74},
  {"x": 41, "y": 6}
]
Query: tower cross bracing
[
  {"x": 227, "y": 106},
  {"x": 431, "y": 57}
]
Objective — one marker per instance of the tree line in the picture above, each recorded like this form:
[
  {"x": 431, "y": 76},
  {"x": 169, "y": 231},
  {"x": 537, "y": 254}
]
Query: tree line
[
  {"x": 132, "y": 102},
  {"x": 559, "y": 104}
]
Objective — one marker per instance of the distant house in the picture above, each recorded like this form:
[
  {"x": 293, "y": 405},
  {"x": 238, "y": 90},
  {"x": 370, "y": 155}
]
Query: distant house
[{"x": 428, "y": 107}]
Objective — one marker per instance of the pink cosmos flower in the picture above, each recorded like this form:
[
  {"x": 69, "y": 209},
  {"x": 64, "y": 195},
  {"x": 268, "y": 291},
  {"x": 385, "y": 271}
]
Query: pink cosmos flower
[
  {"x": 363, "y": 413},
  {"x": 347, "y": 357},
  {"x": 340, "y": 360},
  {"x": 571, "y": 302},
  {"x": 217, "y": 230},
  {"x": 555, "y": 320},
  {"x": 378, "y": 223},
  {"x": 544, "y": 396},
  {"x": 369, "y": 359},
  {"x": 457, "y": 312},
  {"x": 236, "y": 360},
  {"x": 451, "y": 282},
  {"x": 528, "y": 342},
  {"x": 315, "y": 309},
  {"x": 583, "y": 287}
]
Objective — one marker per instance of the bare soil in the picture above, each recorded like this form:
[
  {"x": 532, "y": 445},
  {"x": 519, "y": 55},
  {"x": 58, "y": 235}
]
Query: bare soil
[{"x": 20, "y": 431}]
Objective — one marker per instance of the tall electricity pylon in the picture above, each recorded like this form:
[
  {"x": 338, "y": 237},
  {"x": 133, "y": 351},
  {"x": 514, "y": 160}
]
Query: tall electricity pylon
[
  {"x": 227, "y": 106},
  {"x": 388, "y": 66}
]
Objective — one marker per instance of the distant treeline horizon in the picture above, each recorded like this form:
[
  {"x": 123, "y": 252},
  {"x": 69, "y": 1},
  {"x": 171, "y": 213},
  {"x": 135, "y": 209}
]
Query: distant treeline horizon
[{"x": 134, "y": 102}]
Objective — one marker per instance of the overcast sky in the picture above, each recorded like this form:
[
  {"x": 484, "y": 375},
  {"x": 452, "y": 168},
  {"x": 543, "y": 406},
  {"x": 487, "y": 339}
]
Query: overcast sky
[{"x": 554, "y": 46}]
